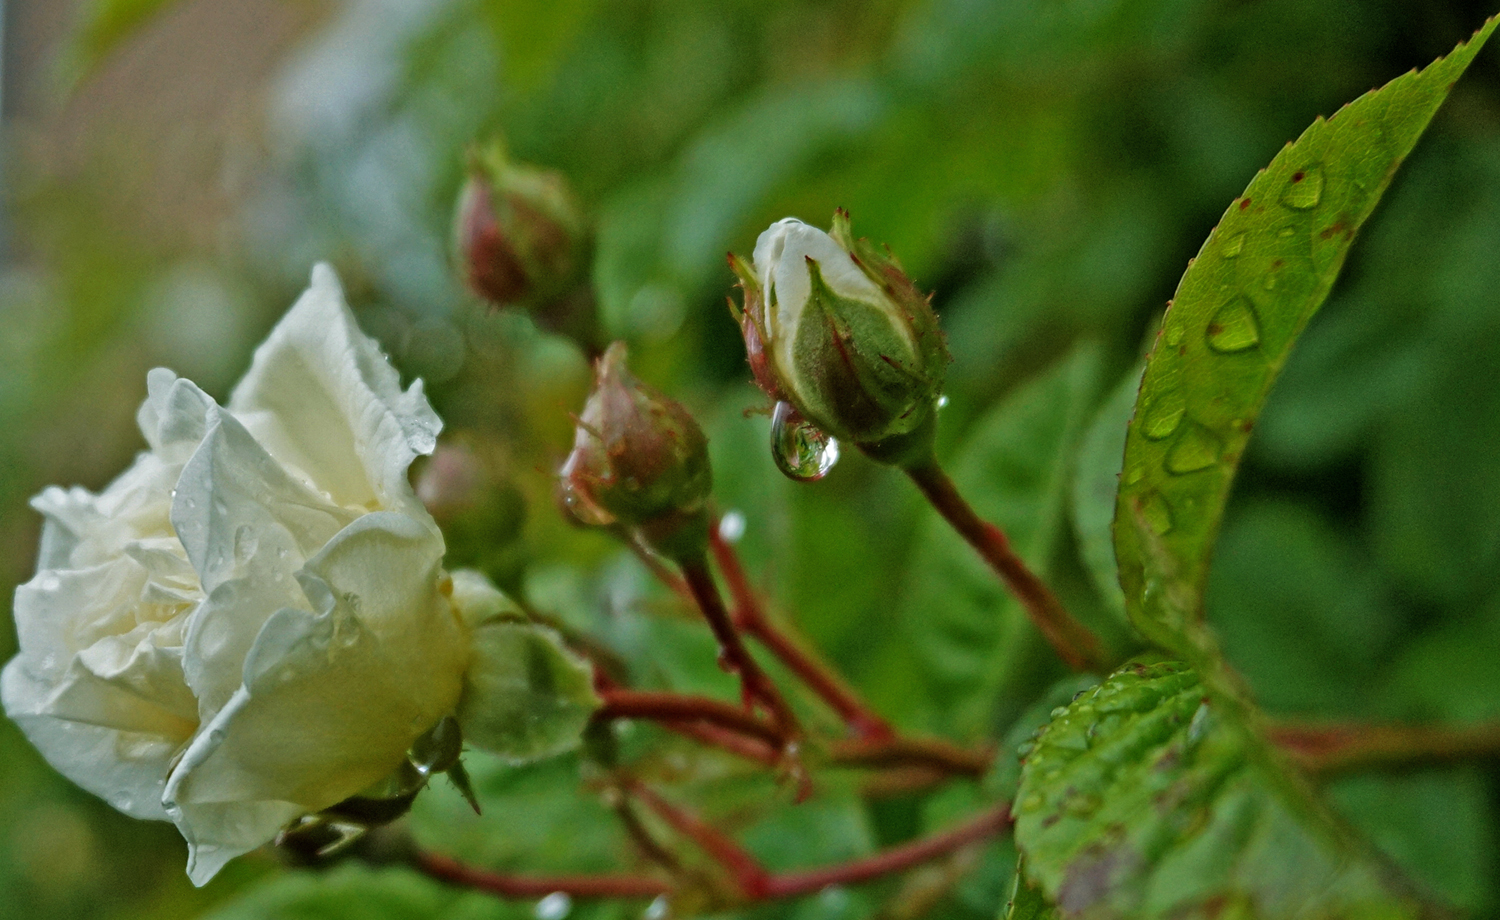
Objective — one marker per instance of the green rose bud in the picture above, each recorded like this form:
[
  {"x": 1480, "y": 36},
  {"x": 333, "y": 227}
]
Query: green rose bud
[
  {"x": 639, "y": 459},
  {"x": 520, "y": 236},
  {"x": 836, "y": 329}
]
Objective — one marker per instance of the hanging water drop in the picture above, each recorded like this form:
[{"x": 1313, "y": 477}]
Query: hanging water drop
[
  {"x": 554, "y": 906},
  {"x": 801, "y": 450},
  {"x": 1304, "y": 190}
]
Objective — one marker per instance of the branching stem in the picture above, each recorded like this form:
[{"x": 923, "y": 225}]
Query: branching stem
[{"x": 751, "y": 618}]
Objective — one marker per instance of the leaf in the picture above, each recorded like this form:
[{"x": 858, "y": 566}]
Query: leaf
[
  {"x": 1095, "y": 486},
  {"x": 1013, "y": 468},
  {"x": 1148, "y": 798},
  {"x": 1026, "y": 900},
  {"x": 1259, "y": 278},
  {"x": 526, "y": 696},
  {"x": 107, "y": 24}
]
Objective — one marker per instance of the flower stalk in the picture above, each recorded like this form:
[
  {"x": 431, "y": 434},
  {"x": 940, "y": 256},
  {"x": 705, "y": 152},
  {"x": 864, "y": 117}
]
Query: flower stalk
[{"x": 1074, "y": 642}]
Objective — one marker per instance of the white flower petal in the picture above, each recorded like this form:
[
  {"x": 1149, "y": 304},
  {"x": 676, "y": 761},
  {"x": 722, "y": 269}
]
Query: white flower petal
[
  {"x": 331, "y": 701},
  {"x": 322, "y": 399},
  {"x": 128, "y": 769}
]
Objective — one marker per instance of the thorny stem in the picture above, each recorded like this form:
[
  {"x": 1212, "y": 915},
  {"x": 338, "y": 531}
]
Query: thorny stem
[
  {"x": 673, "y": 708},
  {"x": 1074, "y": 642},
  {"x": 749, "y": 875},
  {"x": 757, "y": 686},
  {"x": 1339, "y": 747},
  {"x": 981, "y": 827},
  {"x": 923, "y": 753},
  {"x": 823, "y": 680}
]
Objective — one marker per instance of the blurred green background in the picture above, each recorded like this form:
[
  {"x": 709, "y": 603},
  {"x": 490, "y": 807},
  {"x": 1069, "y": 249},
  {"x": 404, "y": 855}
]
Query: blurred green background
[{"x": 172, "y": 170}]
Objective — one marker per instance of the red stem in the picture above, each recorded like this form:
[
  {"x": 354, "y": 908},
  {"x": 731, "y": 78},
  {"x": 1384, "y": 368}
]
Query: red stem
[
  {"x": 757, "y": 686},
  {"x": 749, "y": 875},
  {"x": 823, "y": 680},
  {"x": 679, "y": 707},
  {"x": 731, "y": 741},
  {"x": 1336, "y": 747},
  {"x": 911, "y": 752},
  {"x": 1074, "y": 642},
  {"x": 454, "y": 872},
  {"x": 893, "y": 860}
]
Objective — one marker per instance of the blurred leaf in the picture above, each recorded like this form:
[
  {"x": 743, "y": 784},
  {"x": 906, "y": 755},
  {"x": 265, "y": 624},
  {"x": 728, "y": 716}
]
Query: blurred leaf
[
  {"x": 353, "y": 892},
  {"x": 106, "y": 25},
  {"x": 1260, "y": 276},
  {"x": 1449, "y": 673},
  {"x": 1436, "y": 824},
  {"x": 1026, "y": 900},
  {"x": 1014, "y": 469},
  {"x": 1149, "y": 799},
  {"x": 1301, "y": 612},
  {"x": 1095, "y": 485}
]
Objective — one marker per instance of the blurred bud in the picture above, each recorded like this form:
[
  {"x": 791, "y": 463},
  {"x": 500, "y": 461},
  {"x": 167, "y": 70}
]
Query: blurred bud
[
  {"x": 519, "y": 235},
  {"x": 638, "y": 459},
  {"x": 835, "y": 328},
  {"x": 481, "y": 511}
]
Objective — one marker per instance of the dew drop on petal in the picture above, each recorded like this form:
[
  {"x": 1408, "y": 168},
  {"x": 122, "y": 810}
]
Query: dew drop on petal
[{"x": 801, "y": 450}]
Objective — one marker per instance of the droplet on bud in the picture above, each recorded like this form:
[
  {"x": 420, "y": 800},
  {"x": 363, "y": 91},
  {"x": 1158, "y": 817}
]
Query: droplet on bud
[{"x": 801, "y": 450}]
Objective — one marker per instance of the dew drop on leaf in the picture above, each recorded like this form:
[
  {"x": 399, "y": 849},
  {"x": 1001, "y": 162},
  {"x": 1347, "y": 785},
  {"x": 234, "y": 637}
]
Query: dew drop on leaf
[
  {"x": 1235, "y": 327},
  {"x": 1304, "y": 190},
  {"x": 1197, "y": 449},
  {"x": 801, "y": 450},
  {"x": 1163, "y": 415},
  {"x": 1157, "y": 513},
  {"x": 1233, "y": 246}
]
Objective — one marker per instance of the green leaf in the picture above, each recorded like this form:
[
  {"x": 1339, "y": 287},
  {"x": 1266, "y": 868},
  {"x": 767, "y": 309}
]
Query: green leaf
[
  {"x": 1095, "y": 487},
  {"x": 1147, "y": 798},
  {"x": 1026, "y": 899},
  {"x": 1013, "y": 468},
  {"x": 526, "y": 696},
  {"x": 1259, "y": 278},
  {"x": 106, "y": 25}
]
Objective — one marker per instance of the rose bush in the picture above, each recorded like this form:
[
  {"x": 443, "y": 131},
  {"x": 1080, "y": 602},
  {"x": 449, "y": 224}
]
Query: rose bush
[{"x": 252, "y": 621}]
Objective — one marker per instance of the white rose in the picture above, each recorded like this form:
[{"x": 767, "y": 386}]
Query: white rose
[{"x": 251, "y": 622}]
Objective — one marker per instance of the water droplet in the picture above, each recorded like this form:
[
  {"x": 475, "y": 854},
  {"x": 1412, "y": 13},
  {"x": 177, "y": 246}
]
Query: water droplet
[
  {"x": 1270, "y": 283},
  {"x": 942, "y": 402},
  {"x": 1233, "y": 246},
  {"x": 1285, "y": 232},
  {"x": 1163, "y": 414},
  {"x": 732, "y": 526},
  {"x": 1173, "y": 332},
  {"x": 1031, "y": 803},
  {"x": 1196, "y": 449},
  {"x": 554, "y": 906},
  {"x": 657, "y": 909},
  {"x": 245, "y": 543},
  {"x": 1234, "y": 328},
  {"x": 49, "y": 582},
  {"x": 1157, "y": 512},
  {"x": 1304, "y": 190},
  {"x": 802, "y": 452},
  {"x": 122, "y": 802}
]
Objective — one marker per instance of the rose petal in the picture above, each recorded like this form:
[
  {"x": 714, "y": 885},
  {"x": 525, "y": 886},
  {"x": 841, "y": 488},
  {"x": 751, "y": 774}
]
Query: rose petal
[
  {"x": 331, "y": 701},
  {"x": 323, "y": 400}
]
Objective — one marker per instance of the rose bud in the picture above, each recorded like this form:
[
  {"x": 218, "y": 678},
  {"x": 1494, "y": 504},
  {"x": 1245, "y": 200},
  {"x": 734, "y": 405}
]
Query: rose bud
[
  {"x": 520, "y": 237},
  {"x": 837, "y": 329},
  {"x": 639, "y": 459}
]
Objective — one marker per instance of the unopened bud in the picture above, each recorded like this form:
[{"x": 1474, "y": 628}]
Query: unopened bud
[
  {"x": 837, "y": 329},
  {"x": 639, "y": 459},
  {"x": 520, "y": 236}
]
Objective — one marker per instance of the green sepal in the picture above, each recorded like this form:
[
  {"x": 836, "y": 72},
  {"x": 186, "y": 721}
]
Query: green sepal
[{"x": 525, "y": 696}]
